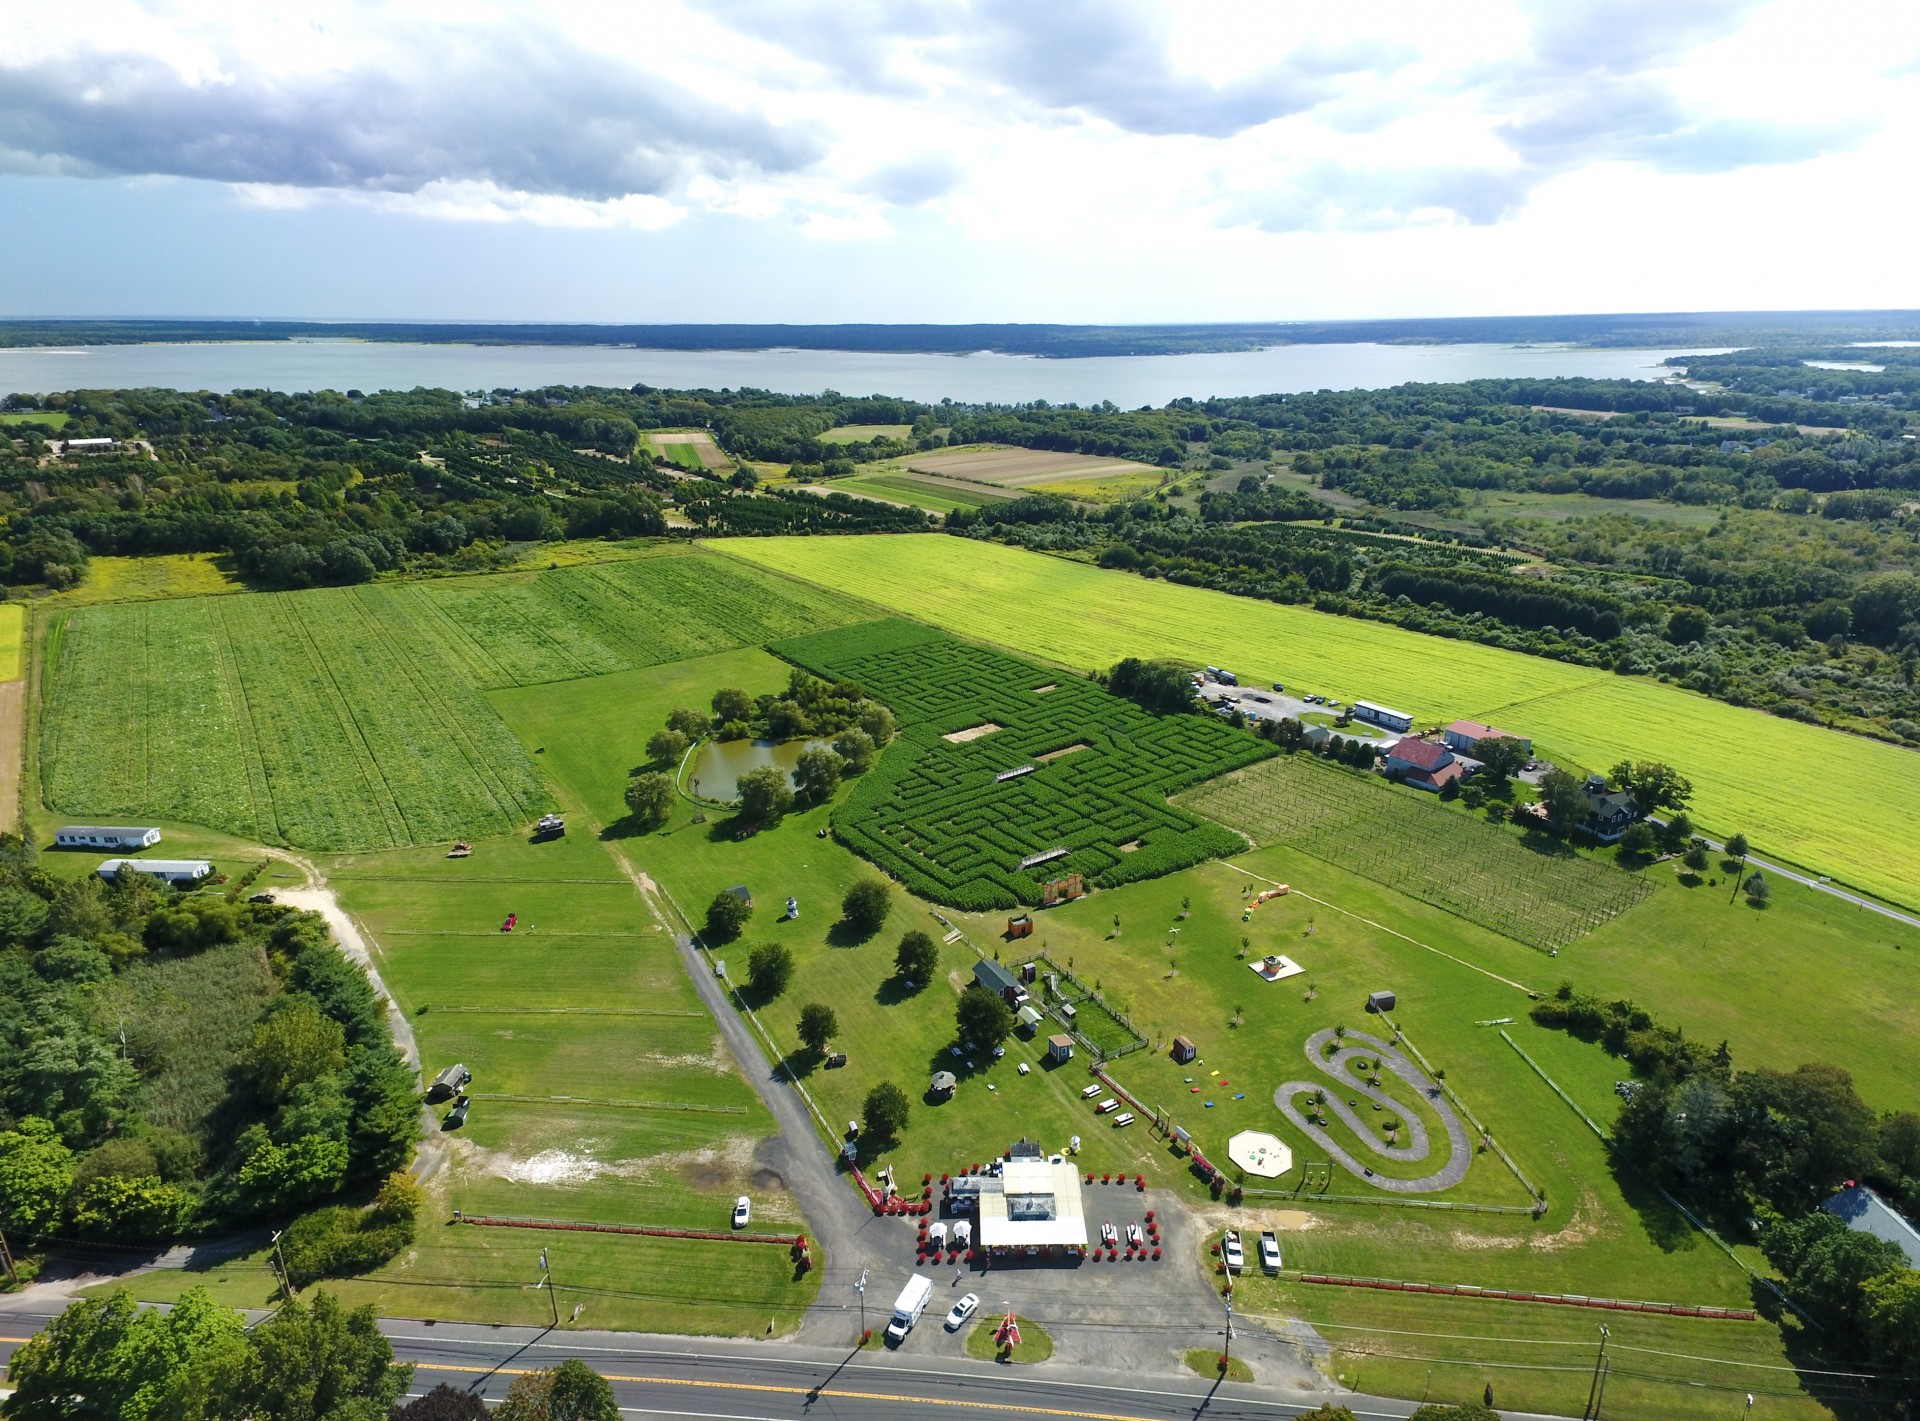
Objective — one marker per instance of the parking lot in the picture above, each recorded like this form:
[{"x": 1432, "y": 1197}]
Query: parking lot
[{"x": 1258, "y": 704}]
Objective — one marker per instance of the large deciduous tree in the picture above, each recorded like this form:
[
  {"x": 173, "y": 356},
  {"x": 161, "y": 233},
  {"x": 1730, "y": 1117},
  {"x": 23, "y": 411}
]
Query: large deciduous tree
[
  {"x": 983, "y": 1018},
  {"x": 884, "y": 1114},
  {"x": 917, "y": 958},
  {"x": 765, "y": 796}
]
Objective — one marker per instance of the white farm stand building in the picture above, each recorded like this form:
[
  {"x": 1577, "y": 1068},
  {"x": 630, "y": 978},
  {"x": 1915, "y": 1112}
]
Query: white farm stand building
[
  {"x": 105, "y": 836},
  {"x": 175, "y": 871},
  {"x": 1035, "y": 1213}
]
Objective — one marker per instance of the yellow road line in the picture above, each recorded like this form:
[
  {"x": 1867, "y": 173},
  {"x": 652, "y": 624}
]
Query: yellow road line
[{"x": 768, "y": 1387}]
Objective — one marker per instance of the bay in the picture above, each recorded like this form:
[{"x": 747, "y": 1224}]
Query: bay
[{"x": 985, "y": 378}]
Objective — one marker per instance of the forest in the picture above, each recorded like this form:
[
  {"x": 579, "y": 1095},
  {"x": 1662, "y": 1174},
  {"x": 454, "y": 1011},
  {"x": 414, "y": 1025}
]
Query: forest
[{"x": 173, "y": 1063}]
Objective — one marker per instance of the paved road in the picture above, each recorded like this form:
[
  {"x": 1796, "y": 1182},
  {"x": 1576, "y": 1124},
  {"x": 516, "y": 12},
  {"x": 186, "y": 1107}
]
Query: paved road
[
  {"x": 748, "y": 1381},
  {"x": 1818, "y": 885}
]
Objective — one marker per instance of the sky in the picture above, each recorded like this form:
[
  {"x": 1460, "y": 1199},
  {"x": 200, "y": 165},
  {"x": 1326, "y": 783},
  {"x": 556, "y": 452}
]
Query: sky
[{"x": 954, "y": 160}]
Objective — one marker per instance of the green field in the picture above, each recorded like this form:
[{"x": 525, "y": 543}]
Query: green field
[
  {"x": 111, "y": 579},
  {"x": 862, "y": 433},
  {"x": 349, "y": 718},
  {"x": 1775, "y": 780},
  {"x": 1088, "y": 773},
  {"x": 934, "y": 495},
  {"x": 1542, "y": 893},
  {"x": 56, "y": 419}
]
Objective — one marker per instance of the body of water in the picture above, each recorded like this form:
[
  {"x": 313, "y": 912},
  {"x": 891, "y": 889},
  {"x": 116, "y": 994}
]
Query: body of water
[
  {"x": 1128, "y": 380},
  {"x": 718, "y": 767}
]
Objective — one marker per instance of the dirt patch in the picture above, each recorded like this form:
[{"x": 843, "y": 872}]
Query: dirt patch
[
  {"x": 12, "y": 748},
  {"x": 764, "y": 1178},
  {"x": 698, "y": 440},
  {"x": 1064, "y": 750},
  {"x": 972, "y": 732},
  {"x": 1132, "y": 846},
  {"x": 1050, "y": 686},
  {"x": 1248, "y": 1218}
]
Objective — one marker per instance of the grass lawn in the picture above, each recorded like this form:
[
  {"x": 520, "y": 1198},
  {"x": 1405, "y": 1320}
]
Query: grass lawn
[
  {"x": 1754, "y": 773},
  {"x": 1206, "y": 1361},
  {"x": 1035, "y": 1344},
  {"x": 111, "y": 579},
  {"x": 863, "y": 433},
  {"x": 13, "y": 626},
  {"x": 55, "y": 419}
]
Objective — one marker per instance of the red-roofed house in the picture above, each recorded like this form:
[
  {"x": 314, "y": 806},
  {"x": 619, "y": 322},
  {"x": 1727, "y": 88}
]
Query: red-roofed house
[
  {"x": 1466, "y": 735},
  {"x": 1423, "y": 764}
]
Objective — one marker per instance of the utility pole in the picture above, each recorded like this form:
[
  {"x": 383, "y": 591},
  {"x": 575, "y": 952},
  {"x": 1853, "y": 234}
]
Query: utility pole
[
  {"x": 1593, "y": 1391},
  {"x": 286, "y": 1283},
  {"x": 546, "y": 1281},
  {"x": 1227, "y": 1351},
  {"x": 860, "y": 1287},
  {"x": 1605, "y": 1372}
]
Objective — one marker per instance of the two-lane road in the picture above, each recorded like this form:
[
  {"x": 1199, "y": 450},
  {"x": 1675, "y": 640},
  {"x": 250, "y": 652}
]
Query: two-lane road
[{"x": 753, "y": 1381}]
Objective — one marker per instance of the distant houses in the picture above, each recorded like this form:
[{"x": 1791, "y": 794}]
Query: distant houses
[{"x": 105, "y": 836}]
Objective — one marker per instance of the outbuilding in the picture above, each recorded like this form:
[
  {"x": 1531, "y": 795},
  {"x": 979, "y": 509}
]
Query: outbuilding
[
  {"x": 1059, "y": 1048},
  {"x": 1184, "y": 1051},
  {"x": 175, "y": 871},
  {"x": 105, "y": 836},
  {"x": 1028, "y": 1018},
  {"x": 1381, "y": 1001},
  {"x": 1466, "y": 735},
  {"x": 1384, "y": 716},
  {"x": 998, "y": 980},
  {"x": 1423, "y": 764}
]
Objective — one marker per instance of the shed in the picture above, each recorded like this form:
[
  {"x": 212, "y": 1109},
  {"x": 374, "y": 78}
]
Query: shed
[
  {"x": 1184, "y": 1050},
  {"x": 1021, "y": 926},
  {"x": 1059, "y": 1048},
  {"x": 942, "y": 1084},
  {"x": 1028, "y": 1018},
  {"x": 997, "y": 979},
  {"x": 1381, "y": 1001},
  {"x": 105, "y": 836},
  {"x": 174, "y": 871},
  {"x": 448, "y": 1084},
  {"x": 743, "y": 893},
  {"x": 1386, "y": 716}
]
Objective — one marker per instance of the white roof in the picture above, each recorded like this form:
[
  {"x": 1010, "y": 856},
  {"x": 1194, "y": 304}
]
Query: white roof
[
  {"x": 1383, "y": 710},
  {"x": 1038, "y": 1205},
  {"x": 119, "y": 831},
  {"x": 194, "y": 868},
  {"x": 1866, "y": 1212}
]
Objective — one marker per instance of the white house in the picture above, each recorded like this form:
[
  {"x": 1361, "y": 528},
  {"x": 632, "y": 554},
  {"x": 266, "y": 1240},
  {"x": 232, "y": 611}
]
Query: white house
[
  {"x": 104, "y": 836},
  {"x": 174, "y": 871}
]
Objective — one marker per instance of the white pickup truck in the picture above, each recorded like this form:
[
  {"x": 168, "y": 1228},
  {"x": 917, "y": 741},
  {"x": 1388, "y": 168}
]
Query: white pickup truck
[{"x": 908, "y": 1307}]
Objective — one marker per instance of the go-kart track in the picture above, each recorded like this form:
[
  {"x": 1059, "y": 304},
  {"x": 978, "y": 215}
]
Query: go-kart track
[{"x": 1359, "y": 1046}]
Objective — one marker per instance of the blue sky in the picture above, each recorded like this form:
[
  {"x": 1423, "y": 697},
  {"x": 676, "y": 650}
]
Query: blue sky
[{"x": 954, "y": 160}]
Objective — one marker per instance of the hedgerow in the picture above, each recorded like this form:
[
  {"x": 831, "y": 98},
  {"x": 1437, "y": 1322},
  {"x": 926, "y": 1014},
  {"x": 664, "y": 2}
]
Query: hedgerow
[{"x": 932, "y": 813}]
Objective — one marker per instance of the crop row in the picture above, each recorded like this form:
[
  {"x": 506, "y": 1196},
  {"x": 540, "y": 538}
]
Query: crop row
[
  {"x": 933, "y": 812},
  {"x": 1479, "y": 871},
  {"x": 309, "y": 718},
  {"x": 591, "y": 620}
]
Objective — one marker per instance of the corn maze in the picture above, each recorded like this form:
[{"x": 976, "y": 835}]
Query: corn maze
[
  {"x": 934, "y": 811},
  {"x": 1481, "y": 872}
]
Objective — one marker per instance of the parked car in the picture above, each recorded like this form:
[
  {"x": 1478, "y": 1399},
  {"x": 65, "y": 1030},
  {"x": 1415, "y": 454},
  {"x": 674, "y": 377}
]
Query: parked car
[
  {"x": 1269, "y": 1252},
  {"x": 963, "y": 1310},
  {"x": 836, "y": 1060},
  {"x": 742, "y": 1211},
  {"x": 998, "y": 1052},
  {"x": 1230, "y": 1250}
]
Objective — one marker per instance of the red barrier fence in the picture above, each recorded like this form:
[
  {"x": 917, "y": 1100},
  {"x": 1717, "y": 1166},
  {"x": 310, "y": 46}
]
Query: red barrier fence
[
  {"x": 569, "y": 1226},
  {"x": 1465, "y": 1290}
]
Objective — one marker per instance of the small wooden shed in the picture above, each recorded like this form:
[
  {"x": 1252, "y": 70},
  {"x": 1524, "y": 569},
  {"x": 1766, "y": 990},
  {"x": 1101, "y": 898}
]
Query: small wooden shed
[
  {"x": 1184, "y": 1051},
  {"x": 1381, "y": 1001},
  {"x": 1059, "y": 1048}
]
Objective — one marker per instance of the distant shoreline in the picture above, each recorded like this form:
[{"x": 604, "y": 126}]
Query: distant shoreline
[{"x": 1044, "y": 341}]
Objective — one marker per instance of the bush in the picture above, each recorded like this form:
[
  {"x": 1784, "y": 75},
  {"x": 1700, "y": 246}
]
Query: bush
[
  {"x": 917, "y": 958},
  {"x": 727, "y": 915},
  {"x": 884, "y": 1115},
  {"x": 650, "y": 799},
  {"x": 769, "y": 969},
  {"x": 443, "y": 1403},
  {"x": 866, "y": 906}
]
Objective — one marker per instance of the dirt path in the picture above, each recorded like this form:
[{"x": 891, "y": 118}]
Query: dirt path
[
  {"x": 434, "y": 1152},
  {"x": 13, "y": 749}
]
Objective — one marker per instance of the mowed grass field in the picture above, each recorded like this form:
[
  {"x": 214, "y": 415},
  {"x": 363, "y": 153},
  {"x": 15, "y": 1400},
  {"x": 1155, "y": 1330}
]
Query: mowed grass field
[
  {"x": 1834, "y": 803},
  {"x": 350, "y": 718},
  {"x": 13, "y": 626}
]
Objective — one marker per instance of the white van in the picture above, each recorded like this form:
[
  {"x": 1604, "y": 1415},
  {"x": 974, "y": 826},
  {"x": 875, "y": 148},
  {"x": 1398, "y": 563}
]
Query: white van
[{"x": 908, "y": 1307}]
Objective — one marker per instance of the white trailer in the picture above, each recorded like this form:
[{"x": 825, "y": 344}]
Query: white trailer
[{"x": 908, "y": 1307}]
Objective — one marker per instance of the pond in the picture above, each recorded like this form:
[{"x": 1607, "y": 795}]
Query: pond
[{"x": 718, "y": 767}]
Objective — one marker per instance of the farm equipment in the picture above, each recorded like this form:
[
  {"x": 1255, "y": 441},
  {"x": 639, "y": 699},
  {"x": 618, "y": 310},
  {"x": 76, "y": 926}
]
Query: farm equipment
[
  {"x": 461, "y": 849},
  {"x": 512, "y": 922},
  {"x": 549, "y": 826},
  {"x": 457, "y": 1117}
]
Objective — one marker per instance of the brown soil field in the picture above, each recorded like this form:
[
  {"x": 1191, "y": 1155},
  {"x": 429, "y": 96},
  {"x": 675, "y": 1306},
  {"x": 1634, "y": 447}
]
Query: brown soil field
[{"x": 1017, "y": 468}]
